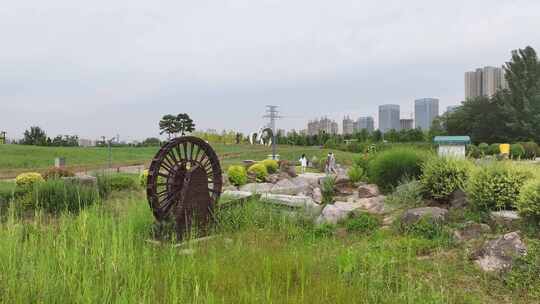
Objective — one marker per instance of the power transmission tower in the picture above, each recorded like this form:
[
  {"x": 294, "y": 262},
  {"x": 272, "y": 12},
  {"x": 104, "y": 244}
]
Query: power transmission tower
[{"x": 272, "y": 114}]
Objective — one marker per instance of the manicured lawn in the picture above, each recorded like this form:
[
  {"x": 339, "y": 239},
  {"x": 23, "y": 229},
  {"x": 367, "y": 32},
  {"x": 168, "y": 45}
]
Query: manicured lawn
[{"x": 18, "y": 158}]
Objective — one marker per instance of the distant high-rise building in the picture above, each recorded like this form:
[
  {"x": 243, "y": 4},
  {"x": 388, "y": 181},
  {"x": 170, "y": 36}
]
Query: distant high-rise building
[
  {"x": 388, "y": 117},
  {"x": 406, "y": 124},
  {"x": 425, "y": 111},
  {"x": 365, "y": 122},
  {"x": 348, "y": 125},
  {"x": 484, "y": 82},
  {"x": 323, "y": 125}
]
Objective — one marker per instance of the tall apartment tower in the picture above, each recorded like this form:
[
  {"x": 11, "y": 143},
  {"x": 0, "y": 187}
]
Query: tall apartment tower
[
  {"x": 388, "y": 117},
  {"x": 425, "y": 111},
  {"x": 484, "y": 81},
  {"x": 406, "y": 123},
  {"x": 348, "y": 125},
  {"x": 324, "y": 125},
  {"x": 365, "y": 122}
]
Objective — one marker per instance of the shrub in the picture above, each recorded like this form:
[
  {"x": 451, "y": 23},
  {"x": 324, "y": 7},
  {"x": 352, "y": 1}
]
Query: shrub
[
  {"x": 494, "y": 149},
  {"x": 260, "y": 172},
  {"x": 425, "y": 228},
  {"x": 528, "y": 203},
  {"x": 484, "y": 148},
  {"x": 56, "y": 195},
  {"x": 473, "y": 151},
  {"x": 327, "y": 190},
  {"x": 363, "y": 223},
  {"x": 143, "y": 178},
  {"x": 441, "y": 176},
  {"x": 495, "y": 186},
  {"x": 531, "y": 149},
  {"x": 237, "y": 175},
  {"x": 115, "y": 182},
  {"x": 356, "y": 174},
  {"x": 517, "y": 151},
  {"x": 362, "y": 161},
  {"x": 271, "y": 165},
  {"x": 55, "y": 173},
  {"x": 389, "y": 167},
  {"x": 28, "y": 179},
  {"x": 407, "y": 193}
]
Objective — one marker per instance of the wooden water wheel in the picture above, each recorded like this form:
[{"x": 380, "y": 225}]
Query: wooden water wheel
[{"x": 184, "y": 183}]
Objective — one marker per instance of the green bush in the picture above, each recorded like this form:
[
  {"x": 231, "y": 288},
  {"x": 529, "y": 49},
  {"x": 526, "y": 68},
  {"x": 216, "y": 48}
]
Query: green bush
[
  {"x": 484, "y": 148},
  {"x": 259, "y": 170},
  {"x": 517, "y": 151},
  {"x": 28, "y": 179},
  {"x": 494, "y": 149},
  {"x": 473, "y": 151},
  {"x": 356, "y": 174},
  {"x": 531, "y": 149},
  {"x": 237, "y": 175},
  {"x": 389, "y": 167},
  {"x": 407, "y": 193},
  {"x": 271, "y": 165},
  {"x": 363, "y": 223},
  {"x": 426, "y": 228},
  {"x": 328, "y": 192},
  {"x": 362, "y": 161},
  {"x": 57, "y": 195},
  {"x": 116, "y": 182},
  {"x": 54, "y": 172},
  {"x": 441, "y": 176},
  {"x": 528, "y": 203},
  {"x": 495, "y": 186}
]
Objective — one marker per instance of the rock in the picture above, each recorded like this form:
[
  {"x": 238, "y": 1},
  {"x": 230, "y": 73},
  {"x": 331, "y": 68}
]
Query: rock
[
  {"x": 317, "y": 195},
  {"x": 458, "y": 199},
  {"x": 226, "y": 181},
  {"x": 273, "y": 178},
  {"x": 505, "y": 217},
  {"x": 434, "y": 214},
  {"x": 287, "y": 167},
  {"x": 295, "y": 201},
  {"x": 257, "y": 188},
  {"x": 83, "y": 180},
  {"x": 499, "y": 254},
  {"x": 291, "y": 186},
  {"x": 314, "y": 179},
  {"x": 332, "y": 214},
  {"x": 367, "y": 191},
  {"x": 471, "y": 231},
  {"x": 342, "y": 177},
  {"x": 374, "y": 205},
  {"x": 237, "y": 194},
  {"x": 230, "y": 188},
  {"x": 252, "y": 177}
]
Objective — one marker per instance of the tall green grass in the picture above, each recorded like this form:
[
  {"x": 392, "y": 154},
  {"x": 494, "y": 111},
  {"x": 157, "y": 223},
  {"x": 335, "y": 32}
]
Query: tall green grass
[{"x": 259, "y": 255}]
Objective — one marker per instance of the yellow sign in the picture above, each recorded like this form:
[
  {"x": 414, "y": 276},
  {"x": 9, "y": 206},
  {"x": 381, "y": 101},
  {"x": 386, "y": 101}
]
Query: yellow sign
[{"x": 505, "y": 148}]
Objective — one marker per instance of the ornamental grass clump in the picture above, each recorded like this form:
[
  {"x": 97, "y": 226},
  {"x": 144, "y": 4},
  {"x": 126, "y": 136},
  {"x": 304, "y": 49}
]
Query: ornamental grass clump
[
  {"x": 56, "y": 195},
  {"x": 259, "y": 171},
  {"x": 495, "y": 186},
  {"x": 441, "y": 176},
  {"x": 237, "y": 175},
  {"x": 271, "y": 165}
]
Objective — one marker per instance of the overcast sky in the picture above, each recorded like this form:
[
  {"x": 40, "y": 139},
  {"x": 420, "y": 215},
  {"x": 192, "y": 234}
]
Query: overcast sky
[{"x": 105, "y": 67}]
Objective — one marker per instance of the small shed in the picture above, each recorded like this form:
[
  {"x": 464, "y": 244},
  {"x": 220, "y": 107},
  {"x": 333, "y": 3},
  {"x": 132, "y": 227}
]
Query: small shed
[{"x": 454, "y": 146}]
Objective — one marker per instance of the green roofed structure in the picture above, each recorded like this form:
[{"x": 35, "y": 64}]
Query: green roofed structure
[{"x": 454, "y": 146}]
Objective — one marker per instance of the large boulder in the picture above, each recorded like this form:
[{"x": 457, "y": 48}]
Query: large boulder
[
  {"x": 332, "y": 214},
  {"x": 499, "y": 254},
  {"x": 257, "y": 187},
  {"x": 288, "y": 168},
  {"x": 296, "y": 201},
  {"x": 505, "y": 218},
  {"x": 470, "y": 231},
  {"x": 314, "y": 179},
  {"x": 458, "y": 199},
  {"x": 317, "y": 195},
  {"x": 237, "y": 194},
  {"x": 374, "y": 205},
  {"x": 368, "y": 190},
  {"x": 433, "y": 214},
  {"x": 291, "y": 186}
]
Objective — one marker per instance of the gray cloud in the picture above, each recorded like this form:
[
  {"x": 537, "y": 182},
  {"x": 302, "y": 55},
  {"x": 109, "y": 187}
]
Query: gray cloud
[{"x": 107, "y": 67}]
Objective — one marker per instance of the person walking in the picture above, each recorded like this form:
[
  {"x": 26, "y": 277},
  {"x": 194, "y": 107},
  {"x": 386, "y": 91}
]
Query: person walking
[
  {"x": 331, "y": 163},
  {"x": 303, "y": 163}
]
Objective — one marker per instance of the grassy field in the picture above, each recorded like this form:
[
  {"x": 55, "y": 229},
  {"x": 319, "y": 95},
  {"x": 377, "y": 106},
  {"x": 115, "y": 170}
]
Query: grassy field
[
  {"x": 103, "y": 255},
  {"x": 18, "y": 158}
]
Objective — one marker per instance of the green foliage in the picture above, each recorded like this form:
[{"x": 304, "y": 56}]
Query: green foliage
[
  {"x": 517, "y": 151},
  {"x": 259, "y": 170},
  {"x": 494, "y": 149},
  {"x": 473, "y": 151},
  {"x": 28, "y": 179},
  {"x": 116, "y": 182},
  {"x": 495, "y": 186},
  {"x": 407, "y": 193},
  {"x": 328, "y": 189},
  {"x": 57, "y": 195},
  {"x": 324, "y": 231},
  {"x": 271, "y": 165},
  {"x": 35, "y": 136},
  {"x": 362, "y": 161},
  {"x": 363, "y": 223},
  {"x": 56, "y": 173},
  {"x": 180, "y": 123},
  {"x": 237, "y": 175},
  {"x": 356, "y": 174},
  {"x": 525, "y": 273},
  {"x": 531, "y": 149},
  {"x": 441, "y": 176},
  {"x": 389, "y": 167},
  {"x": 426, "y": 228},
  {"x": 528, "y": 203},
  {"x": 143, "y": 178},
  {"x": 484, "y": 148}
]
